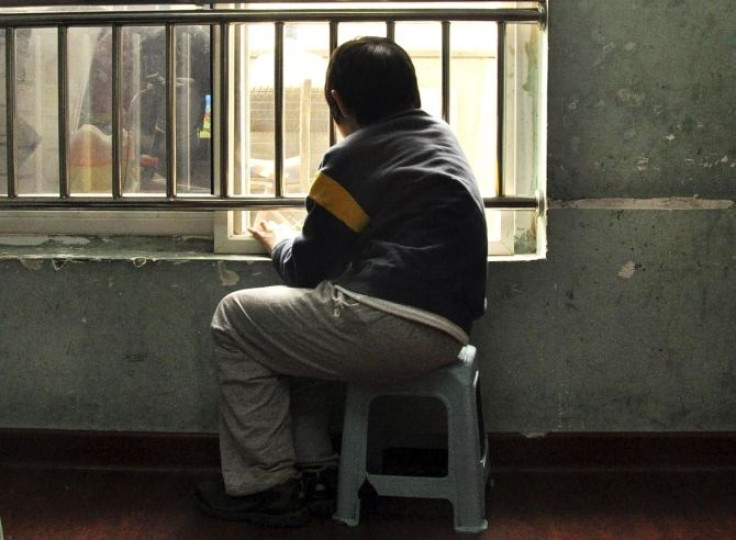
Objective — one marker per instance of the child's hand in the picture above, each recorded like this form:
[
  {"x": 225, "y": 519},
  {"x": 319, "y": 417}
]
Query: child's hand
[{"x": 270, "y": 233}]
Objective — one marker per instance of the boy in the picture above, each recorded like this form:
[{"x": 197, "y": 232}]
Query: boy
[{"x": 382, "y": 284}]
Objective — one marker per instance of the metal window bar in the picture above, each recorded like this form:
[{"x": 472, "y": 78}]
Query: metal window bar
[
  {"x": 117, "y": 77},
  {"x": 171, "y": 127},
  {"x": 332, "y": 47},
  {"x": 221, "y": 20},
  {"x": 278, "y": 108},
  {"x": 500, "y": 114},
  {"x": 63, "y": 87},
  {"x": 390, "y": 30},
  {"x": 221, "y": 104},
  {"x": 10, "y": 109},
  {"x": 445, "y": 62}
]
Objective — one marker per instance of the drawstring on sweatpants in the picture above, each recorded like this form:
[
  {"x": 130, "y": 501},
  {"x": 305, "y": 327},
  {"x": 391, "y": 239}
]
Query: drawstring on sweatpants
[{"x": 338, "y": 301}]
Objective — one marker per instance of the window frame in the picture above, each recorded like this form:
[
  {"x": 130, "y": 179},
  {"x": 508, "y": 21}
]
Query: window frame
[{"x": 59, "y": 213}]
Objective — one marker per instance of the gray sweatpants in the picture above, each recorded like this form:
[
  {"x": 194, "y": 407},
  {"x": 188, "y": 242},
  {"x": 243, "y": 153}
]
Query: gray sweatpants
[{"x": 274, "y": 349}]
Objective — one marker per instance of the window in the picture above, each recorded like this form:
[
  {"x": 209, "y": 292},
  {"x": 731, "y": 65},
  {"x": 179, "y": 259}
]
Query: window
[
  {"x": 88, "y": 120},
  {"x": 198, "y": 120}
]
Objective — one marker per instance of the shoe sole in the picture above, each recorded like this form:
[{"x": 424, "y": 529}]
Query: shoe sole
[{"x": 291, "y": 519}]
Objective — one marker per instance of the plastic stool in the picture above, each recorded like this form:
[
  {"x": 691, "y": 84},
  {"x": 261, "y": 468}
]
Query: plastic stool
[{"x": 467, "y": 449}]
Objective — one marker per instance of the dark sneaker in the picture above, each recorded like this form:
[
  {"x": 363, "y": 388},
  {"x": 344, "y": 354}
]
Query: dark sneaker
[
  {"x": 320, "y": 490},
  {"x": 279, "y": 506}
]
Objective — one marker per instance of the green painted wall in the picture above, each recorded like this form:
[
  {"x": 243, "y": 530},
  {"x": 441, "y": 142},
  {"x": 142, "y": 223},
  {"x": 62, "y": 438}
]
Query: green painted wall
[
  {"x": 642, "y": 98},
  {"x": 627, "y": 326}
]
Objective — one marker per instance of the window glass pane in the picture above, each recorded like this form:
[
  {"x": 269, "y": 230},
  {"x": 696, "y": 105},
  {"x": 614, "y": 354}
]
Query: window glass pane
[
  {"x": 306, "y": 115},
  {"x": 254, "y": 51},
  {"x": 259, "y": 100},
  {"x": 89, "y": 155},
  {"x": 252, "y": 129},
  {"x": 473, "y": 97},
  {"x": 523, "y": 79},
  {"x": 194, "y": 121},
  {"x": 36, "y": 112},
  {"x": 143, "y": 152},
  {"x": 348, "y": 31},
  {"x": 512, "y": 232},
  {"x": 525, "y": 232},
  {"x": 423, "y": 42}
]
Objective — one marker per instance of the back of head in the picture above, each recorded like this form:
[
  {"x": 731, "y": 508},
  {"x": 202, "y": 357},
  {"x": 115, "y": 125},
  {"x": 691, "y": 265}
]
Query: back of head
[{"x": 375, "y": 78}]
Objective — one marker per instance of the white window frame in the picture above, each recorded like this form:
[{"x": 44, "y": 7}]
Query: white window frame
[
  {"x": 219, "y": 224},
  {"x": 521, "y": 159}
]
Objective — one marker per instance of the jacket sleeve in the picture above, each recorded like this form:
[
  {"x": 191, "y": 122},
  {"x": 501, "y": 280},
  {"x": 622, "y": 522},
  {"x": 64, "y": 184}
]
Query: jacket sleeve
[{"x": 328, "y": 237}]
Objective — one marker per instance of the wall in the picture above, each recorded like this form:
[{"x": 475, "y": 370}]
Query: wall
[{"x": 627, "y": 326}]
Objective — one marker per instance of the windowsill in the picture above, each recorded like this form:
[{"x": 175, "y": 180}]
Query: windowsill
[
  {"x": 143, "y": 248},
  {"x": 148, "y": 248}
]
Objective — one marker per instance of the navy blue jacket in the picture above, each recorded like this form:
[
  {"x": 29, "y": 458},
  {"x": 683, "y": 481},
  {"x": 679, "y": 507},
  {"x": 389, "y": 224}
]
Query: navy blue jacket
[{"x": 395, "y": 213}]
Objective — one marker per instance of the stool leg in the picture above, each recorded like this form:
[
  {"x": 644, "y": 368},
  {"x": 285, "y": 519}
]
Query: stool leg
[
  {"x": 466, "y": 462},
  {"x": 352, "y": 457}
]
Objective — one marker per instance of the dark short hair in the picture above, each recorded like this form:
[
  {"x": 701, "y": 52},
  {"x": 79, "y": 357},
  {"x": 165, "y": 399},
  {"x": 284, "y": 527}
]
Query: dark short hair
[{"x": 375, "y": 78}]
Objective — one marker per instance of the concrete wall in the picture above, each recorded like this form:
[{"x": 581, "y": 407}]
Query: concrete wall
[{"x": 627, "y": 326}]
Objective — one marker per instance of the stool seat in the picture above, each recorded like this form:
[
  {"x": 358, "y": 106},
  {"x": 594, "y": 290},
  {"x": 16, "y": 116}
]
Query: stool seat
[{"x": 456, "y": 386}]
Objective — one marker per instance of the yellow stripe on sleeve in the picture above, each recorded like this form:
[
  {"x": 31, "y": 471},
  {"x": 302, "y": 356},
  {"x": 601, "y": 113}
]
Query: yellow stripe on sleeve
[{"x": 339, "y": 202}]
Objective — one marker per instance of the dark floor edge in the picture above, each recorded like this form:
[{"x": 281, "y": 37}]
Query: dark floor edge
[
  {"x": 508, "y": 451},
  {"x": 634, "y": 450},
  {"x": 108, "y": 449}
]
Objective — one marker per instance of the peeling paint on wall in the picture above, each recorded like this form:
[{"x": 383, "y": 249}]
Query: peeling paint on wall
[
  {"x": 71, "y": 240},
  {"x": 228, "y": 278},
  {"x": 664, "y": 203},
  {"x": 627, "y": 270},
  {"x": 32, "y": 264},
  {"x": 18, "y": 240},
  {"x": 37, "y": 240}
]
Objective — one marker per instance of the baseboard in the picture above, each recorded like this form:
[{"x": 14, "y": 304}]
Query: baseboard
[
  {"x": 107, "y": 449},
  {"x": 637, "y": 450},
  {"x": 508, "y": 451}
]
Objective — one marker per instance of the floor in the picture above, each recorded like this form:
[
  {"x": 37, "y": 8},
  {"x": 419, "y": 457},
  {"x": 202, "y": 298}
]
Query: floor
[{"x": 58, "y": 504}]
